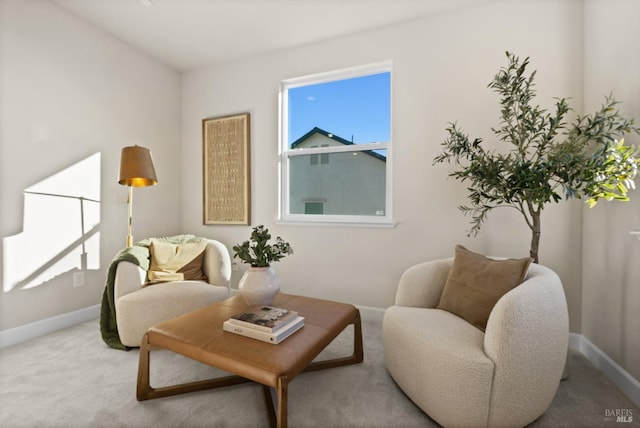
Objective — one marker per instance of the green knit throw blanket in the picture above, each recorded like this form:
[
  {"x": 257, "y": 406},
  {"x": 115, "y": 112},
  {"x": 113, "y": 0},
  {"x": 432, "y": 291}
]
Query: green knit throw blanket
[{"x": 138, "y": 254}]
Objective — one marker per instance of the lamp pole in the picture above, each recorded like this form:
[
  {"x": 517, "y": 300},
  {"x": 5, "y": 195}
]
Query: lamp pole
[{"x": 130, "y": 206}]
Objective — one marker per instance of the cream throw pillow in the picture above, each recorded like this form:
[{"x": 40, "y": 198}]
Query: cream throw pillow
[
  {"x": 176, "y": 262},
  {"x": 476, "y": 283}
]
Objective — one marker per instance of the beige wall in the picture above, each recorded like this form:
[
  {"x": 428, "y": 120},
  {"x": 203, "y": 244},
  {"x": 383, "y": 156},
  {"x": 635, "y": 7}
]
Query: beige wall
[
  {"x": 611, "y": 256},
  {"x": 69, "y": 92},
  {"x": 441, "y": 66}
]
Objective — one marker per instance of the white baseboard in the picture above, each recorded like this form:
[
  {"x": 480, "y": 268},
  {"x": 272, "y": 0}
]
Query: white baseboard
[
  {"x": 35, "y": 329},
  {"x": 368, "y": 313},
  {"x": 629, "y": 385}
]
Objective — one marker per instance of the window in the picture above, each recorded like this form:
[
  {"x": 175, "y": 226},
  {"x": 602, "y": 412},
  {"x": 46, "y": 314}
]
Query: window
[
  {"x": 314, "y": 207},
  {"x": 324, "y": 157},
  {"x": 335, "y": 147}
]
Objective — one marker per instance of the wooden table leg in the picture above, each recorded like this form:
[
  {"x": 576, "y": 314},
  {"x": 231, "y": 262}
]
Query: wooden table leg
[
  {"x": 143, "y": 387},
  {"x": 145, "y": 391},
  {"x": 270, "y": 403},
  {"x": 355, "y": 358},
  {"x": 282, "y": 401},
  {"x": 276, "y": 402}
]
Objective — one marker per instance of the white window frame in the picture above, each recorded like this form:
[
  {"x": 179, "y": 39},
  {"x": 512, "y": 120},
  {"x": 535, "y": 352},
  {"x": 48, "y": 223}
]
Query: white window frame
[{"x": 284, "y": 152}]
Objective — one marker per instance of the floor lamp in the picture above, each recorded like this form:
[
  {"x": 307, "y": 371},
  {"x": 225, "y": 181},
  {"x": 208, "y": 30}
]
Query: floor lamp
[{"x": 136, "y": 170}]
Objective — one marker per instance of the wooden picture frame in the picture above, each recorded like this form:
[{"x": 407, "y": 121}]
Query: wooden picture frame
[{"x": 226, "y": 147}]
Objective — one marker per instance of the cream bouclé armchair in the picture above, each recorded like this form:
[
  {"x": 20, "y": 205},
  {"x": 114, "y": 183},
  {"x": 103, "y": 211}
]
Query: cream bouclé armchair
[
  {"x": 139, "y": 307},
  {"x": 459, "y": 375}
]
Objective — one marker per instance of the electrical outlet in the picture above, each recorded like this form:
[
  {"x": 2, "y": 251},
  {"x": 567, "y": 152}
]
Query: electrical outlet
[
  {"x": 234, "y": 266},
  {"x": 78, "y": 279}
]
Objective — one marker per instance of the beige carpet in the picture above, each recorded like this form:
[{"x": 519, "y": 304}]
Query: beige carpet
[{"x": 71, "y": 379}]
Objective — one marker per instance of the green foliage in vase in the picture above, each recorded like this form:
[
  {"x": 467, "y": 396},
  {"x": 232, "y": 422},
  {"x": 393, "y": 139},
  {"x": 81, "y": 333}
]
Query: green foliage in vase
[
  {"x": 549, "y": 157},
  {"x": 258, "y": 252}
]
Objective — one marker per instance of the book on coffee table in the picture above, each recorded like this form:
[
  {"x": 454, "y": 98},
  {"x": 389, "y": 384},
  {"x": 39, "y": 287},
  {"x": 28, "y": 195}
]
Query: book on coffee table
[
  {"x": 264, "y": 318},
  {"x": 274, "y": 338}
]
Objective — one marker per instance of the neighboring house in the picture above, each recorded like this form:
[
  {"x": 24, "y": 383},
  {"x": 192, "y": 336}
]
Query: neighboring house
[{"x": 351, "y": 183}]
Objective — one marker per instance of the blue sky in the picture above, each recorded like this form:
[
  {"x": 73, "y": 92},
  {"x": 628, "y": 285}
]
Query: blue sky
[{"x": 358, "y": 107}]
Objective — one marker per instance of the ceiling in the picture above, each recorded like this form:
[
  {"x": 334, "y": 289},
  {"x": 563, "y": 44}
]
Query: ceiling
[{"x": 189, "y": 34}]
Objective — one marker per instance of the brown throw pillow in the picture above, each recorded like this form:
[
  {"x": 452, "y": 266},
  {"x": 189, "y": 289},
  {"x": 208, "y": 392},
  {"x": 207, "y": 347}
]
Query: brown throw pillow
[
  {"x": 176, "y": 262},
  {"x": 476, "y": 283}
]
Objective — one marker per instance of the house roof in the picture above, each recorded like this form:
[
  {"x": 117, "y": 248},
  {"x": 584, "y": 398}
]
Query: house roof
[{"x": 334, "y": 137}]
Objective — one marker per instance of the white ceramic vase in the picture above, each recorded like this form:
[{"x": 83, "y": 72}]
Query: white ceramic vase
[{"x": 259, "y": 286}]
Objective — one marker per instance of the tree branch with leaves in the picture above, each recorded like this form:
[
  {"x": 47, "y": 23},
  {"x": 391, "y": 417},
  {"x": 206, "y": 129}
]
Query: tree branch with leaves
[{"x": 548, "y": 158}]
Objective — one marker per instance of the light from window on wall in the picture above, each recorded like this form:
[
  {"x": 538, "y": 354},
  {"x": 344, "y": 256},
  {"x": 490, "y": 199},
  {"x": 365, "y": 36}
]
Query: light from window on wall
[{"x": 62, "y": 220}]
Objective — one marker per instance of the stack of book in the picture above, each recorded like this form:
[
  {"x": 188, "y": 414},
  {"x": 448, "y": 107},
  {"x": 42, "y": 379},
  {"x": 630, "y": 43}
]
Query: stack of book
[{"x": 266, "y": 323}]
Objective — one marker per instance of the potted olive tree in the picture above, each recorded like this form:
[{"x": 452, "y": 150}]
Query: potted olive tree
[{"x": 549, "y": 156}]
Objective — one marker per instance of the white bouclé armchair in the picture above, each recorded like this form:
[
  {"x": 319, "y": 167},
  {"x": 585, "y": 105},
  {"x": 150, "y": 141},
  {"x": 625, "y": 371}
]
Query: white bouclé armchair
[
  {"x": 459, "y": 375},
  {"x": 139, "y": 307}
]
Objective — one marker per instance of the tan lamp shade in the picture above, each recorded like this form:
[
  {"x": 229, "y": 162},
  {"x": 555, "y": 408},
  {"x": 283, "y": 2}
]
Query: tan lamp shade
[{"x": 136, "y": 167}]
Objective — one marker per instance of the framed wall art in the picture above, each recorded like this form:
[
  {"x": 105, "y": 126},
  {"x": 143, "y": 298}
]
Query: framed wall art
[{"x": 226, "y": 170}]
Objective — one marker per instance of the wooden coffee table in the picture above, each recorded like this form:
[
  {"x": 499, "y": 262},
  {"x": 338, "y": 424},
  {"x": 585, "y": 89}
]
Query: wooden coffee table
[{"x": 199, "y": 335}]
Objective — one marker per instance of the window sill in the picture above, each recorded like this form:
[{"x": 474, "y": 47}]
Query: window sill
[{"x": 382, "y": 223}]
